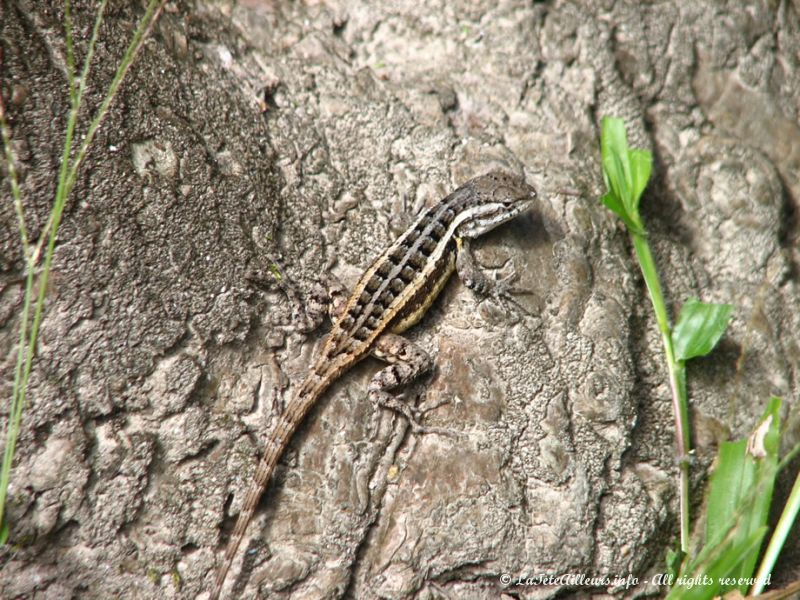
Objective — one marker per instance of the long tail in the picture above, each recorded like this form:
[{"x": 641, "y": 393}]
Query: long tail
[{"x": 289, "y": 421}]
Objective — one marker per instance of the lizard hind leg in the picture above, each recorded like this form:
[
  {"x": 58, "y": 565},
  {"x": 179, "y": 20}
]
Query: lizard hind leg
[
  {"x": 407, "y": 362},
  {"x": 337, "y": 296},
  {"x": 326, "y": 296}
]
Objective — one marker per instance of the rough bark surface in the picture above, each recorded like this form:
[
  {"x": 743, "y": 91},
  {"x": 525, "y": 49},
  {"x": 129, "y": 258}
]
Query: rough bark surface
[{"x": 310, "y": 135}]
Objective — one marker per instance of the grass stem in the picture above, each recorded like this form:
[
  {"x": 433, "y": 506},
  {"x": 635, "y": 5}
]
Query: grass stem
[{"x": 67, "y": 175}]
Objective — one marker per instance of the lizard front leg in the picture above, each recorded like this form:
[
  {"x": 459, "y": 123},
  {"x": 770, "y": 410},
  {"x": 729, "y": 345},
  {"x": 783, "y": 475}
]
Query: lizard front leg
[{"x": 473, "y": 277}]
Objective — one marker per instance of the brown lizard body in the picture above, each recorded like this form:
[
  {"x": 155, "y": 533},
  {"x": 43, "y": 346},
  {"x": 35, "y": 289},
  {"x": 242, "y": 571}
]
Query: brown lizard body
[{"x": 391, "y": 296}]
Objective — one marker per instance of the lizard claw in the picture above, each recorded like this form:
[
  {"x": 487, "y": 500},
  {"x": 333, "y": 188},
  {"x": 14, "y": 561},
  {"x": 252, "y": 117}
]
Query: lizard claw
[{"x": 412, "y": 415}]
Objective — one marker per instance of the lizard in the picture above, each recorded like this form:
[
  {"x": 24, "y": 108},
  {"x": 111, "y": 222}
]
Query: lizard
[{"x": 393, "y": 294}]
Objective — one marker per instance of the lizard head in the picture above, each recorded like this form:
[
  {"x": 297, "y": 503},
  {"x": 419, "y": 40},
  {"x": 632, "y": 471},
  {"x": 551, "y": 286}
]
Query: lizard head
[{"x": 495, "y": 198}]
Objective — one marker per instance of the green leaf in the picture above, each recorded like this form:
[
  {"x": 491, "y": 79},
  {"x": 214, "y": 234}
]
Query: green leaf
[
  {"x": 700, "y": 326},
  {"x": 641, "y": 167},
  {"x": 730, "y": 476},
  {"x": 614, "y": 154},
  {"x": 707, "y": 578},
  {"x": 613, "y": 139},
  {"x": 3, "y": 532},
  {"x": 614, "y": 205},
  {"x": 674, "y": 560},
  {"x": 625, "y": 173},
  {"x": 740, "y": 493}
]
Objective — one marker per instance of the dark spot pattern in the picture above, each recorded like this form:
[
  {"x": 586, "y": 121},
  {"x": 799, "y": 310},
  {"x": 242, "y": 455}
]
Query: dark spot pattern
[
  {"x": 401, "y": 265},
  {"x": 397, "y": 256},
  {"x": 384, "y": 269},
  {"x": 416, "y": 261},
  {"x": 437, "y": 231},
  {"x": 427, "y": 246}
]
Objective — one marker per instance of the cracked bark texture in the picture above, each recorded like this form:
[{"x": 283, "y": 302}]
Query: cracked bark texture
[{"x": 311, "y": 134}]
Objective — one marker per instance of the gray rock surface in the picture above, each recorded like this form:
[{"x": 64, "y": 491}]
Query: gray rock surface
[{"x": 310, "y": 135}]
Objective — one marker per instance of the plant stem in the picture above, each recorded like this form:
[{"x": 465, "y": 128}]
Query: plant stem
[
  {"x": 677, "y": 378},
  {"x": 68, "y": 172},
  {"x": 779, "y": 536},
  {"x": 66, "y": 179},
  {"x": 153, "y": 11},
  {"x": 14, "y": 414},
  {"x": 13, "y": 179}
]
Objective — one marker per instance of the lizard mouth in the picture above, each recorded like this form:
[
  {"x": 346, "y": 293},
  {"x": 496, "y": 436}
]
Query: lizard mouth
[{"x": 522, "y": 205}]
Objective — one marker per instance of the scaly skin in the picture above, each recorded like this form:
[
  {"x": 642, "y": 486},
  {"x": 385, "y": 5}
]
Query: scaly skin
[{"x": 393, "y": 294}]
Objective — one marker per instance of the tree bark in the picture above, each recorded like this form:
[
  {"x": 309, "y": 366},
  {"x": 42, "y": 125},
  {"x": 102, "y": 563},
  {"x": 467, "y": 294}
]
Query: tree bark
[{"x": 257, "y": 137}]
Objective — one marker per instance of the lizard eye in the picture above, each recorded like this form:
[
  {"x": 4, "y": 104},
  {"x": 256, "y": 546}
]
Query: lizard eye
[{"x": 503, "y": 195}]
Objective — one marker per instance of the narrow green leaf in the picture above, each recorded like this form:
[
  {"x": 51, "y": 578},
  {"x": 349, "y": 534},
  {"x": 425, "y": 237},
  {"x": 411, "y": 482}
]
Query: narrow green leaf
[
  {"x": 614, "y": 154},
  {"x": 725, "y": 490},
  {"x": 700, "y": 326},
  {"x": 625, "y": 172},
  {"x": 727, "y": 569},
  {"x": 641, "y": 168},
  {"x": 674, "y": 560},
  {"x": 3, "y": 532},
  {"x": 615, "y": 163},
  {"x": 613, "y": 138},
  {"x": 740, "y": 493},
  {"x": 707, "y": 578}
]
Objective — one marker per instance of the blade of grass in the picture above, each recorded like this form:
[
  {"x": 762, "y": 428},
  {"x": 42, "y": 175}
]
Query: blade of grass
[
  {"x": 76, "y": 96},
  {"x": 15, "y": 413},
  {"x": 737, "y": 509},
  {"x": 706, "y": 580},
  {"x": 782, "y": 529},
  {"x": 153, "y": 12},
  {"x": 68, "y": 173},
  {"x": 69, "y": 49},
  {"x": 66, "y": 179},
  {"x": 731, "y": 476},
  {"x": 87, "y": 63}
]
